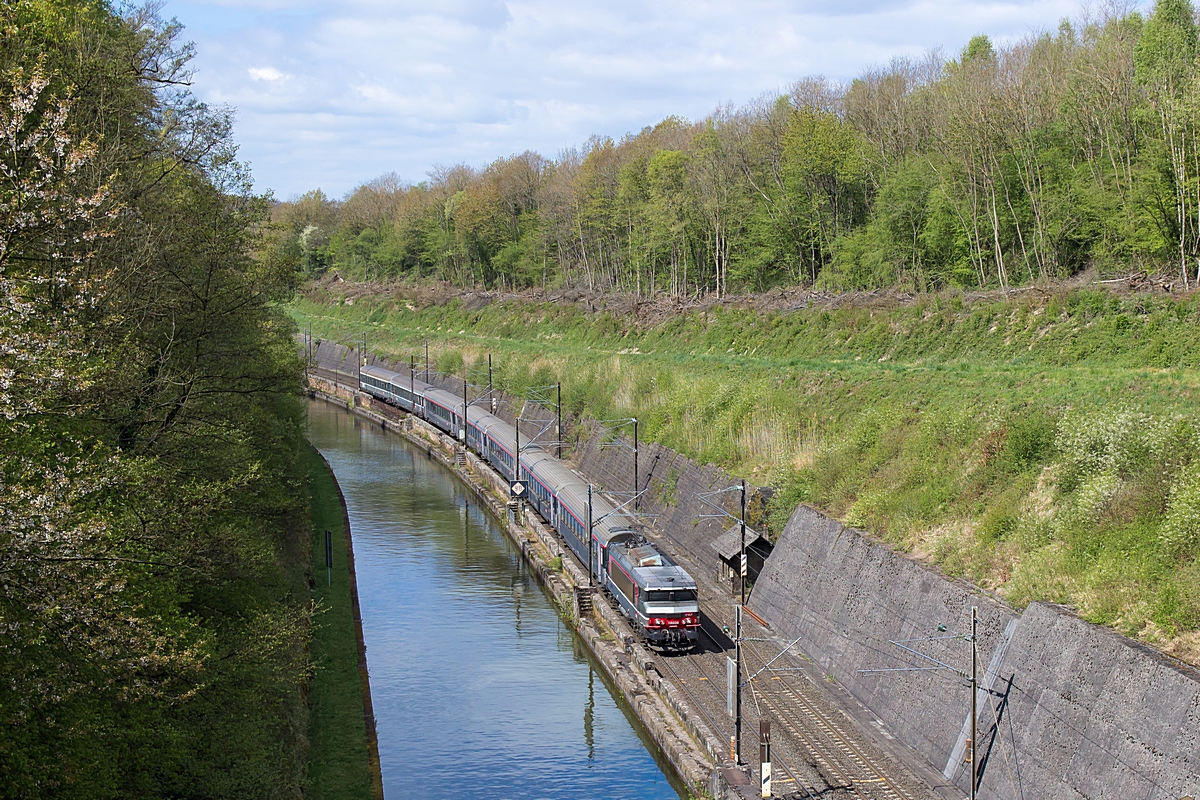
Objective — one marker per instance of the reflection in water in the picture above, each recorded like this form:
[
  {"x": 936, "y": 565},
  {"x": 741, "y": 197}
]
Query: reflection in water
[
  {"x": 473, "y": 675},
  {"x": 589, "y": 713}
]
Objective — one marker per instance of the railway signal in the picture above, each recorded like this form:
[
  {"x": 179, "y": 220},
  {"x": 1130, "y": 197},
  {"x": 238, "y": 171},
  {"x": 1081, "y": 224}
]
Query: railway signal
[{"x": 517, "y": 490}]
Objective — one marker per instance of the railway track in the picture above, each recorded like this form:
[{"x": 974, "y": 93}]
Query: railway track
[
  {"x": 818, "y": 757},
  {"x": 810, "y": 736},
  {"x": 834, "y": 753},
  {"x": 794, "y": 784}
]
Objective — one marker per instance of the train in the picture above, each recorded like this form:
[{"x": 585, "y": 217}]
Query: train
[{"x": 657, "y": 595}]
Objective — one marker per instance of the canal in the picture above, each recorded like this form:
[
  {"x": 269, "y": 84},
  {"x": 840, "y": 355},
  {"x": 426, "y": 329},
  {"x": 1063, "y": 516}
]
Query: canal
[{"x": 479, "y": 688}]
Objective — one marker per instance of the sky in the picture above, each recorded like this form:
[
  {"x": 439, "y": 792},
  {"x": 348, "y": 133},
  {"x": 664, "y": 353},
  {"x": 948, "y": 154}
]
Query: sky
[{"x": 330, "y": 94}]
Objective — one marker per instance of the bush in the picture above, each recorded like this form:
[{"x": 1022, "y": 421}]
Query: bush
[
  {"x": 1181, "y": 530},
  {"x": 1030, "y": 440}
]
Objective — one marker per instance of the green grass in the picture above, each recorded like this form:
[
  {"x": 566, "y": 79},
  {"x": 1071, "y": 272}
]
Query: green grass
[
  {"x": 338, "y": 767},
  {"x": 1039, "y": 446}
]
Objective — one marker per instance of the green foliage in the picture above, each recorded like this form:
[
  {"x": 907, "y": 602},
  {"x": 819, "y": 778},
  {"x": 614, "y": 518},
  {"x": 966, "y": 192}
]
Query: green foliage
[
  {"x": 980, "y": 47},
  {"x": 1069, "y": 150},
  {"x": 153, "y": 607},
  {"x": 1030, "y": 440},
  {"x": 1166, "y": 50}
]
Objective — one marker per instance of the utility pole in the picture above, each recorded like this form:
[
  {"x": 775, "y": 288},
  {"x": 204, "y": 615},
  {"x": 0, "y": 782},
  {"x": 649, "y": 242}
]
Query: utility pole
[
  {"x": 591, "y": 555},
  {"x": 517, "y": 455},
  {"x": 969, "y": 754},
  {"x": 733, "y": 673},
  {"x": 491, "y": 394},
  {"x": 427, "y": 361},
  {"x": 412, "y": 382},
  {"x": 364, "y": 349},
  {"x": 742, "y": 525},
  {"x": 737, "y": 680},
  {"x": 636, "y": 499},
  {"x": 974, "y": 699},
  {"x": 737, "y": 642},
  {"x": 558, "y": 430},
  {"x": 463, "y": 431}
]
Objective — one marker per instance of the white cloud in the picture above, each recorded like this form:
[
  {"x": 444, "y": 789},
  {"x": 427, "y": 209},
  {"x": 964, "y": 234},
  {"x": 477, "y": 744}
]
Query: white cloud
[
  {"x": 361, "y": 87},
  {"x": 266, "y": 74}
]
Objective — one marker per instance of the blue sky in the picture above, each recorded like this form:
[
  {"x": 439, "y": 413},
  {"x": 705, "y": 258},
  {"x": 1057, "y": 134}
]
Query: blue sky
[{"x": 332, "y": 94}]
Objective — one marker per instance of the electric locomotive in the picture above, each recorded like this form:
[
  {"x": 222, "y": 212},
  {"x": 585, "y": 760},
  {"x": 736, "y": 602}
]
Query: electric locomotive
[{"x": 658, "y": 595}]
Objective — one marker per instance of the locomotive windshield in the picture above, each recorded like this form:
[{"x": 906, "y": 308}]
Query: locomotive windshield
[{"x": 673, "y": 596}]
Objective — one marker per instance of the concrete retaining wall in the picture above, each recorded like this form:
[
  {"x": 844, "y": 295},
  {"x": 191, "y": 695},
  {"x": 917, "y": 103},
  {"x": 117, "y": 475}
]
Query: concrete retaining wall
[
  {"x": 1066, "y": 709},
  {"x": 1089, "y": 713}
]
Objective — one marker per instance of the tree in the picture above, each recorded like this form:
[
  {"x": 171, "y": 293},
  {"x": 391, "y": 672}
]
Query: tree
[
  {"x": 825, "y": 171},
  {"x": 150, "y": 507},
  {"x": 1165, "y": 59}
]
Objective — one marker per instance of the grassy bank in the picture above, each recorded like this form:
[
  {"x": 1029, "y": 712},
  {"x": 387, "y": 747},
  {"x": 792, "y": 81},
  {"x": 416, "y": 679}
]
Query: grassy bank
[
  {"x": 339, "y": 767},
  {"x": 1042, "y": 446}
]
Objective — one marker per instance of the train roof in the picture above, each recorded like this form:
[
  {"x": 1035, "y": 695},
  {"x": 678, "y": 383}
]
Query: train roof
[
  {"x": 652, "y": 568},
  {"x": 443, "y": 398},
  {"x": 396, "y": 378},
  {"x": 609, "y": 525},
  {"x": 672, "y": 577},
  {"x": 380, "y": 373}
]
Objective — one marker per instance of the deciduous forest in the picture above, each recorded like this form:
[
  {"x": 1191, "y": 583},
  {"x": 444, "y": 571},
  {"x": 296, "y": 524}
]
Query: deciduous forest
[
  {"x": 154, "y": 612},
  {"x": 1072, "y": 149}
]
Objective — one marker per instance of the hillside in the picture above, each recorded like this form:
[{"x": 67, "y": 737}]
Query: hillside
[{"x": 1037, "y": 443}]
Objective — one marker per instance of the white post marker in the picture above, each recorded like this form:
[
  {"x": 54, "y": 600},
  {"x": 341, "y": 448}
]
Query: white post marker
[
  {"x": 764, "y": 755},
  {"x": 730, "y": 683}
]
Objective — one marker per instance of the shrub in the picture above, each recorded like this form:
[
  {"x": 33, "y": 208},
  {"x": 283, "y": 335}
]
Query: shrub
[
  {"x": 1181, "y": 529},
  {"x": 1115, "y": 443},
  {"x": 1030, "y": 440}
]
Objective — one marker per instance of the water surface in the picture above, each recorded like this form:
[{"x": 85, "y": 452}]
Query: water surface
[{"x": 479, "y": 688}]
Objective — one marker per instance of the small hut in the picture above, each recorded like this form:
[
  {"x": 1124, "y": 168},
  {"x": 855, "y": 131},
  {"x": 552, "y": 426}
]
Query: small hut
[{"x": 729, "y": 545}]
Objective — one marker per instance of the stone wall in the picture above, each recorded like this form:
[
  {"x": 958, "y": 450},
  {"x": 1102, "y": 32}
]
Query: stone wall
[
  {"x": 1089, "y": 713},
  {"x": 1066, "y": 709}
]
